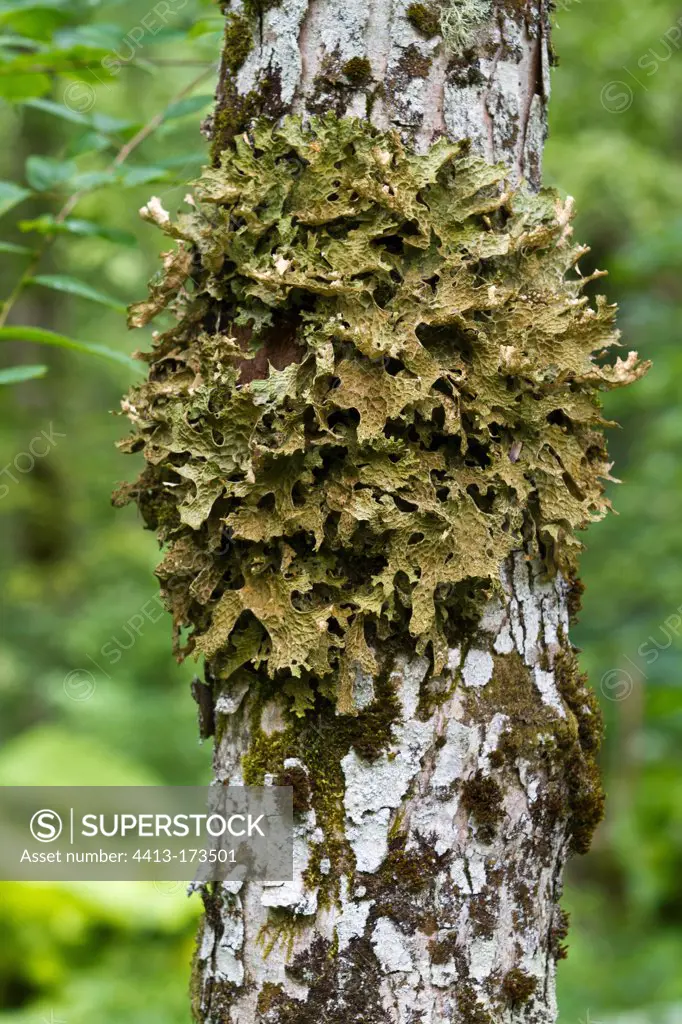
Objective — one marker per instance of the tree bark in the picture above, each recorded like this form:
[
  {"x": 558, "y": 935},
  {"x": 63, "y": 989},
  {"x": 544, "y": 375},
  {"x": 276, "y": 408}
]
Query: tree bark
[{"x": 440, "y": 902}]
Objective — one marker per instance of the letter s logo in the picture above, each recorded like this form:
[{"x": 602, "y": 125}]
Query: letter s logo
[{"x": 46, "y": 826}]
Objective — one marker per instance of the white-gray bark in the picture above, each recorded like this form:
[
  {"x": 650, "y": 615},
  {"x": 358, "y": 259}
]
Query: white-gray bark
[
  {"x": 487, "y": 81},
  {"x": 428, "y": 869},
  {"x": 459, "y": 830}
]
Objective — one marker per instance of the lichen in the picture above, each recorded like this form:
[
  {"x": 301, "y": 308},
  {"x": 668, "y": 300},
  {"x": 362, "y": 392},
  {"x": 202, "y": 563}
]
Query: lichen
[
  {"x": 320, "y": 741},
  {"x": 459, "y": 21},
  {"x": 425, "y": 18},
  {"x": 382, "y": 379}
]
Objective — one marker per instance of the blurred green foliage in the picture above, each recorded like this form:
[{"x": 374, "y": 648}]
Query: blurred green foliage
[
  {"x": 85, "y": 699},
  {"x": 616, "y": 145}
]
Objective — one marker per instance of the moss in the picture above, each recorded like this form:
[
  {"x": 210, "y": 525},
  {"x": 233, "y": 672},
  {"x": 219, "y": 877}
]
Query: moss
[
  {"x": 414, "y": 63},
  {"x": 281, "y": 928},
  {"x": 434, "y": 692},
  {"x": 237, "y": 42},
  {"x": 559, "y": 933},
  {"x": 237, "y": 111},
  {"x": 470, "y": 1009},
  {"x": 425, "y": 18},
  {"x": 575, "y": 599},
  {"x": 326, "y": 976},
  {"x": 581, "y": 767},
  {"x": 518, "y": 986},
  {"x": 442, "y": 951},
  {"x": 482, "y": 797},
  {"x": 297, "y": 778},
  {"x": 403, "y": 887},
  {"x": 269, "y": 997},
  {"x": 257, "y": 8},
  {"x": 358, "y": 71}
]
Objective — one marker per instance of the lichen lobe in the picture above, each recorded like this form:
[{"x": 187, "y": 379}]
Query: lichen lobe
[{"x": 433, "y": 407}]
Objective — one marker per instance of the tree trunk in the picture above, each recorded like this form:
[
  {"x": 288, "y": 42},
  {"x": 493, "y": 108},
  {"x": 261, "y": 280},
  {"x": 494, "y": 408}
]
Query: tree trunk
[
  {"x": 459, "y": 827},
  {"x": 370, "y": 440}
]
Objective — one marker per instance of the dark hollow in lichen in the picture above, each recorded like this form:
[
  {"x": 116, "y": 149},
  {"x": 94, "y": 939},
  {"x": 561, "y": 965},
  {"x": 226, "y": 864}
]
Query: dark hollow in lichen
[
  {"x": 358, "y": 71},
  {"x": 363, "y": 338},
  {"x": 425, "y": 18}
]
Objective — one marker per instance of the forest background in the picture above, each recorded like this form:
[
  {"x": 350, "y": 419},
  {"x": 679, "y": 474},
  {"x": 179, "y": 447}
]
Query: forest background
[{"x": 103, "y": 100}]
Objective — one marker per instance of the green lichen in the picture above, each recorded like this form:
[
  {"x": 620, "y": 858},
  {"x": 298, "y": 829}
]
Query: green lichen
[
  {"x": 460, "y": 20},
  {"x": 383, "y": 377},
  {"x": 425, "y": 18},
  {"x": 358, "y": 71}
]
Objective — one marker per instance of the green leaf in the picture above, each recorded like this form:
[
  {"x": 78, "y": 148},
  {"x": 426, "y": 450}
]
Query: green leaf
[
  {"x": 43, "y": 337},
  {"x": 89, "y": 142},
  {"x": 130, "y": 176},
  {"x": 62, "y": 283},
  {"x": 101, "y": 36},
  {"x": 18, "y": 86},
  {"x": 58, "y": 110},
  {"x": 17, "y": 374},
  {"x": 47, "y": 225},
  {"x": 91, "y": 179},
  {"x": 106, "y": 123},
  {"x": 11, "y": 194},
  {"x": 190, "y": 105},
  {"x": 205, "y": 26},
  {"x": 37, "y": 20},
  {"x": 19, "y": 250},
  {"x": 46, "y": 172}
]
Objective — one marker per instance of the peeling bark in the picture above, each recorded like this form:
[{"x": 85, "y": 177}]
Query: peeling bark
[{"x": 433, "y": 824}]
